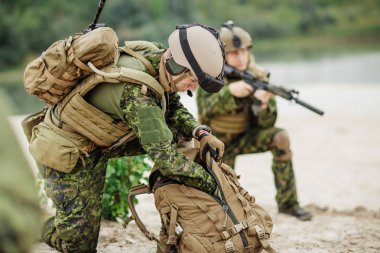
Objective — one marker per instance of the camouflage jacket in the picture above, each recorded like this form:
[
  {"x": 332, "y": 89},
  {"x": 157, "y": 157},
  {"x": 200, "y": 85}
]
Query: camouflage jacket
[{"x": 157, "y": 132}]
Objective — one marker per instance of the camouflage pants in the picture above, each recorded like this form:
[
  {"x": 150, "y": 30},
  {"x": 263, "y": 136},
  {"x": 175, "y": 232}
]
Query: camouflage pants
[
  {"x": 77, "y": 197},
  {"x": 262, "y": 141}
]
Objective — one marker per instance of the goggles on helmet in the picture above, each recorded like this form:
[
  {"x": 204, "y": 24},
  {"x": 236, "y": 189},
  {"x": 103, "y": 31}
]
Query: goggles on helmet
[{"x": 174, "y": 68}]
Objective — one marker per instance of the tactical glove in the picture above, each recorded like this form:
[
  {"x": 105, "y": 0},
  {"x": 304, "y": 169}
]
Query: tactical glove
[{"x": 210, "y": 143}]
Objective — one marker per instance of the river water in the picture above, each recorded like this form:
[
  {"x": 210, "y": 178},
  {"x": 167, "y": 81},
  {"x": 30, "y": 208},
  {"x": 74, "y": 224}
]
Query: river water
[{"x": 357, "y": 68}]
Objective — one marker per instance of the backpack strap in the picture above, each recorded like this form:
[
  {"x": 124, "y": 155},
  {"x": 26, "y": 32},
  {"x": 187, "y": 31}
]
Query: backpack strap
[
  {"x": 137, "y": 190},
  {"x": 148, "y": 64},
  {"x": 130, "y": 75},
  {"x": 172, "y": 237},
  {"x": 140, "y": 77}
]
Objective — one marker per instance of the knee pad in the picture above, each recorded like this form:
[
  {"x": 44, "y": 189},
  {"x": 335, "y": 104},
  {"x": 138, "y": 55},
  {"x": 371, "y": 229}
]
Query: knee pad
[{"x": 281, "y": 144}]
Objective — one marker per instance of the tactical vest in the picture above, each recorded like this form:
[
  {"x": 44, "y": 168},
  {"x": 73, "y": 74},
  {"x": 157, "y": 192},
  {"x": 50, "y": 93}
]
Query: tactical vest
[
  {"x": 234, "y": 123},
  {"x": 85, "y": 119}
]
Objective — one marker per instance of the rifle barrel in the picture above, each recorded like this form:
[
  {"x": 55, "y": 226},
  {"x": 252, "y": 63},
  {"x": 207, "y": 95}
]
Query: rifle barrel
[{"x": 308, "y": 106}]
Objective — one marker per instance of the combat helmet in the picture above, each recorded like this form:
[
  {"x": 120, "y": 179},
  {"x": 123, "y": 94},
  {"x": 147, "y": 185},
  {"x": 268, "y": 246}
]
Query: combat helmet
[
  {"x": 234, "y": 37},
  {"x": 197, "y": 48}
]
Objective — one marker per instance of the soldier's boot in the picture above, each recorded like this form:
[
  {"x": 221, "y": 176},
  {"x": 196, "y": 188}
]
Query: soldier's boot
[
  {"x": 50, "y": 236},
  {"x": 46, "y": 231},
  {"x": 286, "y": 191},
  {"x": 299, "y": 213},
  {"x": 282, "y": 168}
]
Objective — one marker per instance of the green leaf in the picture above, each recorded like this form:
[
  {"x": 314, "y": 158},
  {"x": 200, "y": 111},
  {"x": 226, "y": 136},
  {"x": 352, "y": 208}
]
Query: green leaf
[{"x": 122, "y": 174}]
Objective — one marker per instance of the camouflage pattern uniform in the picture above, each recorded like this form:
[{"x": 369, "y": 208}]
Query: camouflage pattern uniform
[
  {"x": 19, "y": 210},
  {"x": 78, "y": 195},
  {"x": 258, "y": 137}
]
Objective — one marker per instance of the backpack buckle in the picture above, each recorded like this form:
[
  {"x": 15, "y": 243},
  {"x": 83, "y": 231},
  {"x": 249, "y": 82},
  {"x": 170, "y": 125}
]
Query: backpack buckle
[{"x": 172, "y": 240}]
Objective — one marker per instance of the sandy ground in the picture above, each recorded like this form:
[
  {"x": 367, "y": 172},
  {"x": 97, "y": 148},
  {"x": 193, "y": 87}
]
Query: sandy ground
[{"x": 337, "y": 166}]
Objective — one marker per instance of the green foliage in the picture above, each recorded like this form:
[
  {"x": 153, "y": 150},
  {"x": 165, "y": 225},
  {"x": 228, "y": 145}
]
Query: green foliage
[
  {"x": 122, "y": 174},
  {"x": 29, "y": 27},
  {"x": 280, "y": 29}
]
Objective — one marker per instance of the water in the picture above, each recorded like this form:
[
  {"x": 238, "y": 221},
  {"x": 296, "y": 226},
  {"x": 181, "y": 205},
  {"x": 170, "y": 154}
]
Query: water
[{"x": 360, "y": 68}]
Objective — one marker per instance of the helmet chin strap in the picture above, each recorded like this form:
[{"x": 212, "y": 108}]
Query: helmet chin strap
[{"x": 181, "y": 77}]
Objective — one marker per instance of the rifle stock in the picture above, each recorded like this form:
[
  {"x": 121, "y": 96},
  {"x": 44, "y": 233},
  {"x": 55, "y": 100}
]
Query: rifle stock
[{"x": 257, "y": 84}]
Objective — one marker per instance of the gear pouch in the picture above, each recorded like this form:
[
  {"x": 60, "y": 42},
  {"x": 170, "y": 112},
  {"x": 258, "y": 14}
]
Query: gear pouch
[
  {"x": 52, "y": 148},
  {"x": 32, "y": 120}
]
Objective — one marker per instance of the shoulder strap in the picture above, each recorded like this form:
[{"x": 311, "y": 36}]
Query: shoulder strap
[
  {"x": 132, "y": 46},
  {"x": 140, "y": 77},
  {"x": 147, "y": 63},
  {"x": 137, "y": 190},
  {"x": 130, "y": 75}
]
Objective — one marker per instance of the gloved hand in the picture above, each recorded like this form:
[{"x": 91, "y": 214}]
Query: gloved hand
[{"x": 209, "y": 143}]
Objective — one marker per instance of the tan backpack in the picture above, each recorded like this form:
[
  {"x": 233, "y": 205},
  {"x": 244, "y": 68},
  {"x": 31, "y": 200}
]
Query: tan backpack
[
  {"x": 195, "y": 221},
  {"x": 52, "y": 75}
]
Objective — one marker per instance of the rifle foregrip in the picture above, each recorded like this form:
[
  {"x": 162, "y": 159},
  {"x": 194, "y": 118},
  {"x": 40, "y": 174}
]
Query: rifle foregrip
[{"x": 310, "y": 107}]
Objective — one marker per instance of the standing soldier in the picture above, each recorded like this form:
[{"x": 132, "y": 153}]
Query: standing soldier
[
  {"x": 244, "y": 120},
  {"x": 19, "y": 209},
  {"x": 113, "y": 119}
]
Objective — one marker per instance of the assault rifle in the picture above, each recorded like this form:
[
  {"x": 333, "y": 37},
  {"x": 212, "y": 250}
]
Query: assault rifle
[{"x": 291, "y": 95}]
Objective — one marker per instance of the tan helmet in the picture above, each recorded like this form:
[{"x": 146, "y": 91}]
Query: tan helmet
[
  {"x": 199, "y": 49},
  {"x": 234, "y": 37}
]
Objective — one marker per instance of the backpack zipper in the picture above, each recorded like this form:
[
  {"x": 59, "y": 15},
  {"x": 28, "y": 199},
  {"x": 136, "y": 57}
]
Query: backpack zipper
[{"x": 226, "y": 208}]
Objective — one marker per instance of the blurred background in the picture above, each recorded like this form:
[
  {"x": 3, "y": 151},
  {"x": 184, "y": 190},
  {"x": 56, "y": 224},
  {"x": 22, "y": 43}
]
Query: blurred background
[{"x": 320, "y": 40}]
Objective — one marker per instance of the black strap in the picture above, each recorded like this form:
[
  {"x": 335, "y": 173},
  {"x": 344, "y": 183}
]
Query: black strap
[{"x": 188, "y": 53}]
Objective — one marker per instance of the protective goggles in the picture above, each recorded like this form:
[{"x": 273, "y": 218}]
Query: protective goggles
[
  {"x": 207, "y": 82},
  {"x": 174, "y": 68}
]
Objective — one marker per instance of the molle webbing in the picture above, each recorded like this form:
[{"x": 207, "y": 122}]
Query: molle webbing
[
  {"x": 93, "y": 123},
  {"x": 229, "y": 123}
]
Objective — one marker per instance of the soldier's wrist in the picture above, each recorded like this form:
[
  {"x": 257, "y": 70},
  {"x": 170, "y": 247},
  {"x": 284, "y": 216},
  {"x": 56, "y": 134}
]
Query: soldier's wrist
[{"x": 201, "y": 131}]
